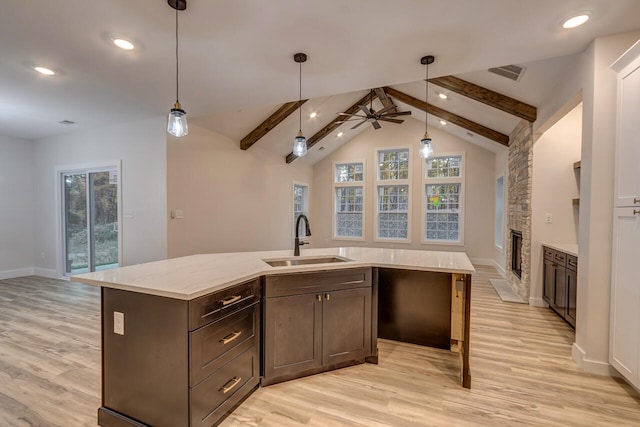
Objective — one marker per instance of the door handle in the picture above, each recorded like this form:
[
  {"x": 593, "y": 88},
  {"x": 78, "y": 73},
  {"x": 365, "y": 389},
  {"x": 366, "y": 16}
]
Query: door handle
[
  {"x": 231, "y": 337},
  {"x": 230, "y": 385}
]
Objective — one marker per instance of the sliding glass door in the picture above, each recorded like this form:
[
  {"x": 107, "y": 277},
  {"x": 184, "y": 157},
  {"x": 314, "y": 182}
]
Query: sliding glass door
[{"x": 90, "y": 220}]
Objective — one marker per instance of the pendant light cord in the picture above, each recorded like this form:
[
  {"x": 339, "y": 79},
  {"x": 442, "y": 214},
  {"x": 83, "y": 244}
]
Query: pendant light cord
[
  {"x": 426, "y": 98},
  {"x": 300, "y": 99},
  {"x": 177, "y": 62}
]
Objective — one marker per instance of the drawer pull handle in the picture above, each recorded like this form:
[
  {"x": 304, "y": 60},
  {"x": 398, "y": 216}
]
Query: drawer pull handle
[
  {"x": 636, "y": 200},
  {"x": 231, "y": 337},
  {"x": 231, "y": 300},
  {"x": 230, "y": 385},
  {"x": 636, "y": 212},
  {"x": 327, "y": 296},
  {"x": 318, "y": 297}
]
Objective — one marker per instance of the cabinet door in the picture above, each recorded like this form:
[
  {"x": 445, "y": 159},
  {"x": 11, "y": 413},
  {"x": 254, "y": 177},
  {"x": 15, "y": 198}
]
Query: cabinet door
[
  {"x": 346, "y": 325},
  {"x": 293, "y": 334},
  {"x": 624, "y": 352},
  {"x": 560, "y": 291},
  {"x": 572, "y": 289},
  {"x": 549, "y": 281},
  {"x": 627, "y": 179}
]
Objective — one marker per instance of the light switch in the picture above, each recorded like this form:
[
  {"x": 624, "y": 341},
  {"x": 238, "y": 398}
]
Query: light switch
[
  {"x": 548, "y": 218},
  {"x": 179, "y": 214},
  {"x": 127, "y": 213},
  {"x": 118, "y": 323}
]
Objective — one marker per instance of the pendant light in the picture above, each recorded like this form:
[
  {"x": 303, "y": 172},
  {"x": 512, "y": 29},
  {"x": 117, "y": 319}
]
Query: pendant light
[
  {"x": 426, "y": 150},
  {"x": 300, "y": 142},
  {"x": 177, "y": 121}
]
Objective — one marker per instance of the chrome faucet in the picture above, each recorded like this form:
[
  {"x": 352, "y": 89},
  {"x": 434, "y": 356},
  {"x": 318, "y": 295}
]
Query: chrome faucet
[{"x": 297, "y": 243}]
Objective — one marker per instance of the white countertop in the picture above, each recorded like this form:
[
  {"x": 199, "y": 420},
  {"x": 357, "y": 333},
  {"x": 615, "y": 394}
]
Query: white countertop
[
  {"x": 569, "y": 248},
  {"x": 193, "y": 276}
]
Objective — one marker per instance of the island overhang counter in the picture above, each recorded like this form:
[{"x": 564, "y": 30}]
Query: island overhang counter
[{"x": 168, "y": 325}]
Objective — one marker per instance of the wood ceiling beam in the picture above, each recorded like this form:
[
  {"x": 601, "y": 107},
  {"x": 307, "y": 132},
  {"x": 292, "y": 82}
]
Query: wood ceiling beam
[
  {"x": 333, "y": 124},
  {"x": 473, "y": 127},
  {"x": 272, "y": 121},
  {"x": 487, "y": 97}
]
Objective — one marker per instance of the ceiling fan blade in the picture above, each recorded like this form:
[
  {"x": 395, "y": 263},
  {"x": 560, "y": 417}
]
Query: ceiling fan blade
[
  {"x": 359, "y": 124},
  {"x": 399, "y": 113},
  {"x": 365, "y": 110},
  {"x": 376, "y": 125},
  {"x": 387, "y": 119},
  {"x": 387, "y": 108}
]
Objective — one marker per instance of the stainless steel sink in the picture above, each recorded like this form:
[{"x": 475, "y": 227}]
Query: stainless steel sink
[{"x": 288, "y": 262}]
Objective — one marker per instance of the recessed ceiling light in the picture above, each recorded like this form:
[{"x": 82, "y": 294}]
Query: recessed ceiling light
[
  {"x": 443, "y": 96},
  {"x": 442, "y": 122},
  {"x": 576, "y": 21},
  {"x": 340, "y": 134},
  {"x": 123, "y": 44},
  {"x": 45, "y": 71},
  {"x": 313, "y": 115}
]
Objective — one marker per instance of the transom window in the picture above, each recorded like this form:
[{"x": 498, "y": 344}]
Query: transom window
[
  {"x": 349, "y": 172},
  {"x": 443, "y": 199},
  {"x": 393, "y": 164},
  {"x": 300, "y": 205}
]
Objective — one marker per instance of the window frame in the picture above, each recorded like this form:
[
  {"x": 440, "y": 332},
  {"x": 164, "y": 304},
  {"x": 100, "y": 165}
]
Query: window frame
[
  {"x": 392, "y": 183},
  {"x": 461, "y": 198},
  {"x": 348, "y": 184}
]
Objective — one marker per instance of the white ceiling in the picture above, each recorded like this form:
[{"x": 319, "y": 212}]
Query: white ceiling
[{"x": 236, "y": 57}]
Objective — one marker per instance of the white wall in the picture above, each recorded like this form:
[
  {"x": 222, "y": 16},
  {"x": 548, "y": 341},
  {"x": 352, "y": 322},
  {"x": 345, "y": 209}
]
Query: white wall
[
  {"x": 591, "y": 349},
  {"x": 233, "y": 200},
  {"x": 16, "y": 213},
  {"x": 479, "y": 191},
  {"x": 141, "y": 148},
  {"x": 555, "y": 184}
]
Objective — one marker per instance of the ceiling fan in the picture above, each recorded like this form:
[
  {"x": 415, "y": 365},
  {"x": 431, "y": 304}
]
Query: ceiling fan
[{"x": 371, "y": 116}]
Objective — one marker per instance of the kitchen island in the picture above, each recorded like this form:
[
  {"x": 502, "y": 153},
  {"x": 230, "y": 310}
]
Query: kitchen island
[{"x": 185, "y": 340}]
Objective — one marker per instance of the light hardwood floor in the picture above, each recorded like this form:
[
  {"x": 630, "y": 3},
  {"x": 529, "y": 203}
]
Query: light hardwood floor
[{"x": 522, "y": 372}]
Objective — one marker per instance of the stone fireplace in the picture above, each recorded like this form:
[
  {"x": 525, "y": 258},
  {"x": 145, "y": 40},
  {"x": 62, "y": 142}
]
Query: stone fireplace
[{"x": 518, "y": 250}]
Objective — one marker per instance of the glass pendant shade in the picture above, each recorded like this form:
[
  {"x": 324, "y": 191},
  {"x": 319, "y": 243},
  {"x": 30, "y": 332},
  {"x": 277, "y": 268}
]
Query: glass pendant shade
[
  {"x": 426, "y": 150},
  {"x": 177, "y": 122},
  {"x": 300, "y": 145}
]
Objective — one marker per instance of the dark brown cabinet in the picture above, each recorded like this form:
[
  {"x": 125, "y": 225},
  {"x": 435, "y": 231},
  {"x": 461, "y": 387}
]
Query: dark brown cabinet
[
  {"x": 560, "y": 283},
  {"x": 315, "y": 322},
  {"x": 176, "y": 362}
]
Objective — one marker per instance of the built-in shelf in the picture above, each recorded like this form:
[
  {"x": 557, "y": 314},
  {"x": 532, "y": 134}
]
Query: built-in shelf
[
  {"x": 577, "y": 165},
  {"x": 576, "y": 201}
]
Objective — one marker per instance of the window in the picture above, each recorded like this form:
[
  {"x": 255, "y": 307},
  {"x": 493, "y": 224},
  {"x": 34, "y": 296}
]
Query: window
[
  {"x": 300, "y": 205},
  {"x": 499, "y": 212},
  {"x": 443, "y": 199},
  {"x": 392, "y": 216},
  {"x": 348, "y": 193}
]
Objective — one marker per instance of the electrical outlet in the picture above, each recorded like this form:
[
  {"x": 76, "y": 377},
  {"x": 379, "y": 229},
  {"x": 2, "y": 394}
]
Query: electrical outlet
[
  {"x": 548, "y": 218},
  {"x": 118, "y": 323}
]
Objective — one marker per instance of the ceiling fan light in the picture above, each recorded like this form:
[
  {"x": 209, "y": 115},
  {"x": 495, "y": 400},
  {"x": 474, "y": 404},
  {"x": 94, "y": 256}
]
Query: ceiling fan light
[
  {"x": 426, "y": 150},
  {"x": 177, "y": 121},
  {"x": 300, "y": 145}
]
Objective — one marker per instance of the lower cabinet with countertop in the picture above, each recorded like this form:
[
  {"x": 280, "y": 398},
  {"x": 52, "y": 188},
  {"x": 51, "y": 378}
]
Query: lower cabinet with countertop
[{"x": 560, "y": 284}]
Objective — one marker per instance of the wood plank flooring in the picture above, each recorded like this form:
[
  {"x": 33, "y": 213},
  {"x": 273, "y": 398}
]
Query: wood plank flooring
[{"x": 522, "y": 372}]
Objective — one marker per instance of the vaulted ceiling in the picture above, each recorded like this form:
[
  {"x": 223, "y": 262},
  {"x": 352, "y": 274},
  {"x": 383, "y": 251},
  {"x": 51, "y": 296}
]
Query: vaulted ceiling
[{"x": 237, "y": 68}]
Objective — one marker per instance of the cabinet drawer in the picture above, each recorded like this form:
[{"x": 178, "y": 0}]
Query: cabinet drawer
[
  {"x": 216, "y": 343},
  {"x": 231, "y": 382},
  {"x": 305, "y": 283},
  {"x": 572, "y": 262},
  {"x": 212, "y": 307},
  {"x": 548, "y": 253},
  {"x": 560, "y": 258}
]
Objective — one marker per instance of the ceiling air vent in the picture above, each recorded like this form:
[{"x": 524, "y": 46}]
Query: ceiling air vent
[
  {"x": 512, "y": 72},
  {"x": 66, "y": 122}
]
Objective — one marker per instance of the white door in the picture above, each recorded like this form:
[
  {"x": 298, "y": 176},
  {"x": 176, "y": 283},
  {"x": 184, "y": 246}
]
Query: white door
[{"x": 624, "y": 352}]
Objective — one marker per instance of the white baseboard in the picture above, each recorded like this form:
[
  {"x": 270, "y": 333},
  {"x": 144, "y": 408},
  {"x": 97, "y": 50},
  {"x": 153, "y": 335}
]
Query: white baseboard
[
  {"x": 481, "y": 261},
  {"x": 538, "y": 302},
  {"x": 591, "y": 366},
  {"x": 20, "y": 272},
  {"x": 45, "y": 272},
  {"x": 499, "y": 269}
]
